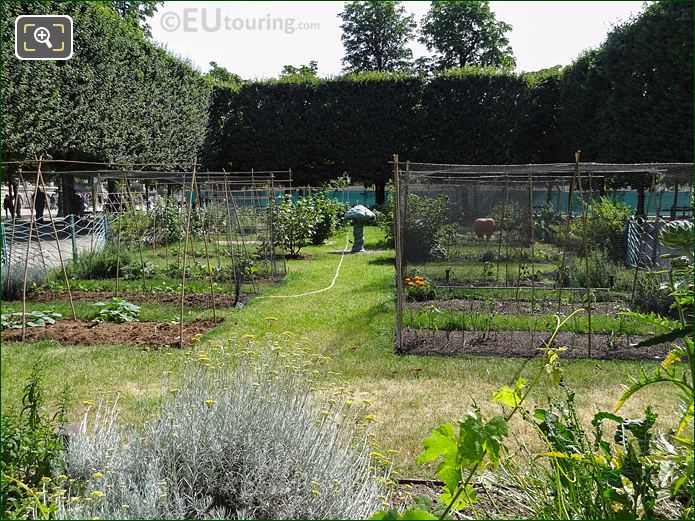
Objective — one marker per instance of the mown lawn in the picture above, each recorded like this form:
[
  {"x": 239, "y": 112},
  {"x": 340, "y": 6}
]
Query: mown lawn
[{"x": 353, "y": 323}]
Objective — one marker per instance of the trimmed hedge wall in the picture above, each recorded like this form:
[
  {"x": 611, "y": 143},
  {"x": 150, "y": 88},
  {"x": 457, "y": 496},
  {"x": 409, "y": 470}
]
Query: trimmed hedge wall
[
  {"x": 120, "y": 98},
  {"x": 628, "y": 101}
]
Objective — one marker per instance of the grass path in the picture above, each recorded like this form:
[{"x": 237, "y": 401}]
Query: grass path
[{"x": 353, "y": 323}]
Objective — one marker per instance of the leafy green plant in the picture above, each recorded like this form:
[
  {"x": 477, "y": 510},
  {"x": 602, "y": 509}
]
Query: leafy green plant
[
  {"x": 423, "y": 220},
  {"x": 582, "y": 475},
  {"x": 165, "y": 224},
  {"x": 678, "y": 367},
  {"x": 465, "y": 450},
  {"x": 604, "y": 228},
  {"x": 31, "y": 319},
  {"x": 446, "y": 238},
  {"x": 118, "y": 310},
  {"x": 101, "y": 264},
  {"x": 31, "y": 448}
]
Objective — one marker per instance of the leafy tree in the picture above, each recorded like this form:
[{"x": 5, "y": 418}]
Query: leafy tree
[
  {"x": 307, "y": 72},
  {"x": 466, "y": 33},
  {"x": 136, "y": 12},
  {"x": 220, "y": 75},
  {"x": 375, "y": 36}
]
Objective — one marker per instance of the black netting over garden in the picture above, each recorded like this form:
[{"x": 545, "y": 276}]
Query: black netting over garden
[{"x": 493, "y": 251}]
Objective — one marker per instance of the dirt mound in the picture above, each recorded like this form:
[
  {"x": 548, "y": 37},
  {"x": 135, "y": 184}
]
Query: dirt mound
[
  {"x": 89, "y": 333},
  {"x": 169, "y": 298}
]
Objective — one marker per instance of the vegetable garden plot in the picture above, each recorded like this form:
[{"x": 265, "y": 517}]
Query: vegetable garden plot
[
  {"x": 493, "y": 251},
  {"x": 182, "y": 236}
]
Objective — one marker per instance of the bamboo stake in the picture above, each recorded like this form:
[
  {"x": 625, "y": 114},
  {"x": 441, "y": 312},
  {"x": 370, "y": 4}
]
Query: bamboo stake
[
  {"x": 26, "y": 258},
  {"x": 60, "y": 255},
  {"x": 533, "y": 244},
  {"x": 137, "y": 232},
  {"x": 585, "y": 219},
  {"x": 118, "y": 211},
  {"x": 207, "y": 258},
  {"x": 567, "y": 236},
  {"x": 31, "y": 217},
  {"x": 185, "y": 251}
]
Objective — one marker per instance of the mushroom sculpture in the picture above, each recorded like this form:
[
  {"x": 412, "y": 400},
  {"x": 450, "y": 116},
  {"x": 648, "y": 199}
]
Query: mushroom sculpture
[{"x": 359, "y": 215}]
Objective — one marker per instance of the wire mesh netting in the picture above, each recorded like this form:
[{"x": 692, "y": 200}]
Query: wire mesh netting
[
  {"x": 494, "y": 250},
  {"x": 209, "y": 233}
]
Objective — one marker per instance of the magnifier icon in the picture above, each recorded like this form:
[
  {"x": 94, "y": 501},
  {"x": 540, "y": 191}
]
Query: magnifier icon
[{"x": 43, "y": 35}]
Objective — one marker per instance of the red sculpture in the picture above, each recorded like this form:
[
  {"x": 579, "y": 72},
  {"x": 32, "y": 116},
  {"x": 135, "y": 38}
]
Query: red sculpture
[{"x": 484, "y": 228}]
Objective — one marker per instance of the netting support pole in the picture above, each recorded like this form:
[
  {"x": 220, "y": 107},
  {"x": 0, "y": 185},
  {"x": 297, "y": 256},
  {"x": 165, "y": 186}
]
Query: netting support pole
[
  {"x": 398, "y": 244},
  {"x": 187, "y": 232},
  {"x": 4, "y": 243},
  {"x": 26, "y": 258},
  {"x": 60, "y": 253},
  {"x": 585, "y": 222},
  {"x": 561, "y": 275},
  {"x": 73, "y": 238}
]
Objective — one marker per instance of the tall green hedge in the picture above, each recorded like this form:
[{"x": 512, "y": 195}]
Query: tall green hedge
[
  {"x": 629, "y": 100},
  {"x": 120, "y": 98}
]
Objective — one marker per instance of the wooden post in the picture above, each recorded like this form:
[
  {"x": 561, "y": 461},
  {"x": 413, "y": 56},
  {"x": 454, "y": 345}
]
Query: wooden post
[
  {"x": 398, "y": 244},
  {"x": 271, "y": 219}
]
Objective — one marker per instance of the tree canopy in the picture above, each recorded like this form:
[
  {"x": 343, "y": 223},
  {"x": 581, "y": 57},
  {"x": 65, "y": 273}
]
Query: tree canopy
[
  {"x": 376, "y": 36},
  {"x": 462, "y": 34}
]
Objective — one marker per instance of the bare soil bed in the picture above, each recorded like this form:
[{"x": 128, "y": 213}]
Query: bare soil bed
[
  {"x": 89, "y": 333},
  {"x": 525, "y": 344},
  {"x": 169, "y": 298},
  {"x": 516, "y": 307}
]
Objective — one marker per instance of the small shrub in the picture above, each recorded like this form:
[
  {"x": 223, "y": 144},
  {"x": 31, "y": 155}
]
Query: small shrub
[
  {"x": 330, "y": 217},
  {"x": 295, "y": 224},
  {"x": 250, "y": 442},
  {"x": 12, "y": 285},
  {"x": 602, "y": 271},
  {"x": 100, "y": 264},
  {"x": 507, "y": 216},
  {"x": 118, "y": 310}
]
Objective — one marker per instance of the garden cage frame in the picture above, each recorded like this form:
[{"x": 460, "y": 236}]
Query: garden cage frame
[
  {"x": 131, "y": 207},
  {"x": 546, "y": 238}
]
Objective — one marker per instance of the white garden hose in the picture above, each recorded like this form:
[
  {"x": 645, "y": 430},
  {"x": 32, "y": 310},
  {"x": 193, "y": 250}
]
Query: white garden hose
[{"x": 335, "y": 277}]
